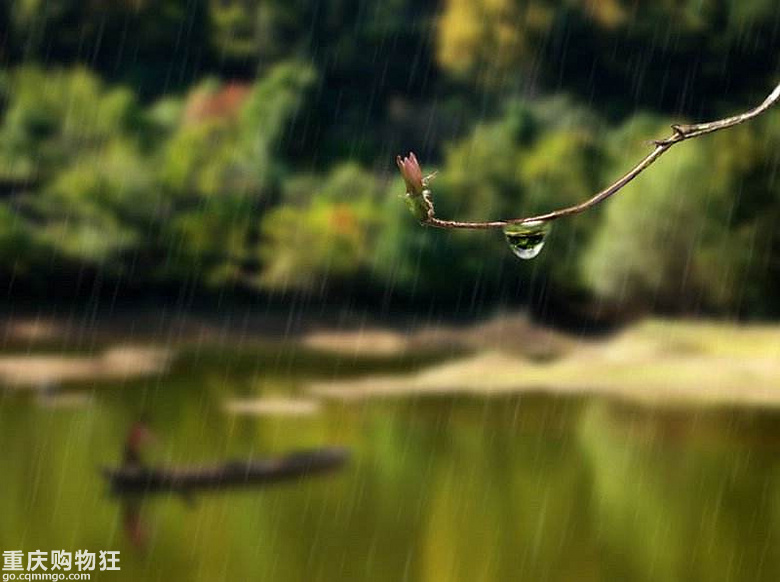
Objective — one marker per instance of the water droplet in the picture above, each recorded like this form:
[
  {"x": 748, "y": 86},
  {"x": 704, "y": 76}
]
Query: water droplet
[{"x": 526, "y": 239}]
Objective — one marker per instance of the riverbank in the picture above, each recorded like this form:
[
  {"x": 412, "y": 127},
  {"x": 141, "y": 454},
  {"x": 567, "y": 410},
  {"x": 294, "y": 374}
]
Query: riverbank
[{"x": 656, "y": 362}]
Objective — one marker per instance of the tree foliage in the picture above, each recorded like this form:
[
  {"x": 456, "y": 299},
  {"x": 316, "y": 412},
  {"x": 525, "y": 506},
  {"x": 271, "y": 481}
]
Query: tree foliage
[{"x": 225, "y": 143}]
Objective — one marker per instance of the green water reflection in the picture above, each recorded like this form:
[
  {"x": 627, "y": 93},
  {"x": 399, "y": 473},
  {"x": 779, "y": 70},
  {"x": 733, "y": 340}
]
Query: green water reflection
[{"x": 439, "y": 489}]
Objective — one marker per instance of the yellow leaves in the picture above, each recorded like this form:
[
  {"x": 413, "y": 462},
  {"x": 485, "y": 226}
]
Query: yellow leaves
[
  {"x": 492, "y": 41},
  {"x": 538, "y": 16},
  {"x": 489, "y": 38},
  {"x": 692, "y": 15},
  {"x": 608, "y": 13},
  {"x": 459, "y": 33}
]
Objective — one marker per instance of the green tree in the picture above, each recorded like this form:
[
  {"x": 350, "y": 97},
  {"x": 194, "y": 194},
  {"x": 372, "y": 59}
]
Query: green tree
[
  {"x": 156, "y": 45},
  {"x": 238, "y": 153},
  {"x": 610, "y": 52},
  {"x": 324, "y": 238},
  {"x": 211, "y": 243},
  {"x": 677, "y": 238},
  {"x": 534, "y": 159},
  {"x": 55, "y": 116},
  {"x": 100, "y": 209},
  {"x": 5, "y": 29},
  {"x": 490, "y": 41},
  {"x": 223, "y": 172},
  {"x": 368, "y": 55}
]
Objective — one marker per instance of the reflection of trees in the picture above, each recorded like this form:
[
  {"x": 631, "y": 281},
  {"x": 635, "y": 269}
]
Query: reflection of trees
[
  {"x": 438, "y": 490},
  {"x": 362, "y": 524},
  {"x": 506, "y": 500},
  {"x": 677, "y": 508}
]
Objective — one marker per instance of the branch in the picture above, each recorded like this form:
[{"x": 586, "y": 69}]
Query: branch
[{"x": 420, "y": 200}]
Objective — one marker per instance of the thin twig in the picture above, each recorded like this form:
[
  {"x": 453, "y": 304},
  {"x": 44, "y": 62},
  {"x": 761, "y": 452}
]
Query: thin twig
[{"x": 422, "y": 197}]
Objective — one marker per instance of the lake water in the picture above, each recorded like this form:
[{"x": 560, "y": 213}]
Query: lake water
[{"x": 438, "y": 488}]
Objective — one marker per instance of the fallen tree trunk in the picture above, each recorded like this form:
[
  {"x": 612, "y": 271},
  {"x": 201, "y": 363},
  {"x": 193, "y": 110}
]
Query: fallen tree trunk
[{"x": 142, "y": 480}]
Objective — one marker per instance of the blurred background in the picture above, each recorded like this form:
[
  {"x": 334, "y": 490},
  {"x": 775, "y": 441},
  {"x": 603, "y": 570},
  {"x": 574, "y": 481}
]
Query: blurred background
[{"x": 201, "y": 225}]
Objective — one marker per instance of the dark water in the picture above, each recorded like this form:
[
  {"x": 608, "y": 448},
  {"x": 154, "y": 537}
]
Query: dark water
[{"x": 439, "y": 489}]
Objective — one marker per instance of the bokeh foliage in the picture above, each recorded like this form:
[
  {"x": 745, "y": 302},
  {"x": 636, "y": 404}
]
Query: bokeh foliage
[{"x": 225, "y": 144}]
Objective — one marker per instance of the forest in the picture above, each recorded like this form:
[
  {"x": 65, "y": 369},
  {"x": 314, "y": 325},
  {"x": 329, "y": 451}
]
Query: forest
[{"x": 239, "y": 147}]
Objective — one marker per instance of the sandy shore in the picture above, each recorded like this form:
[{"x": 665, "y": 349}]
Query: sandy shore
[
  {"x": 656, "y": 362},
  {"x": 47, "y": 371},
  {"x": 272, "y": 406}
]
